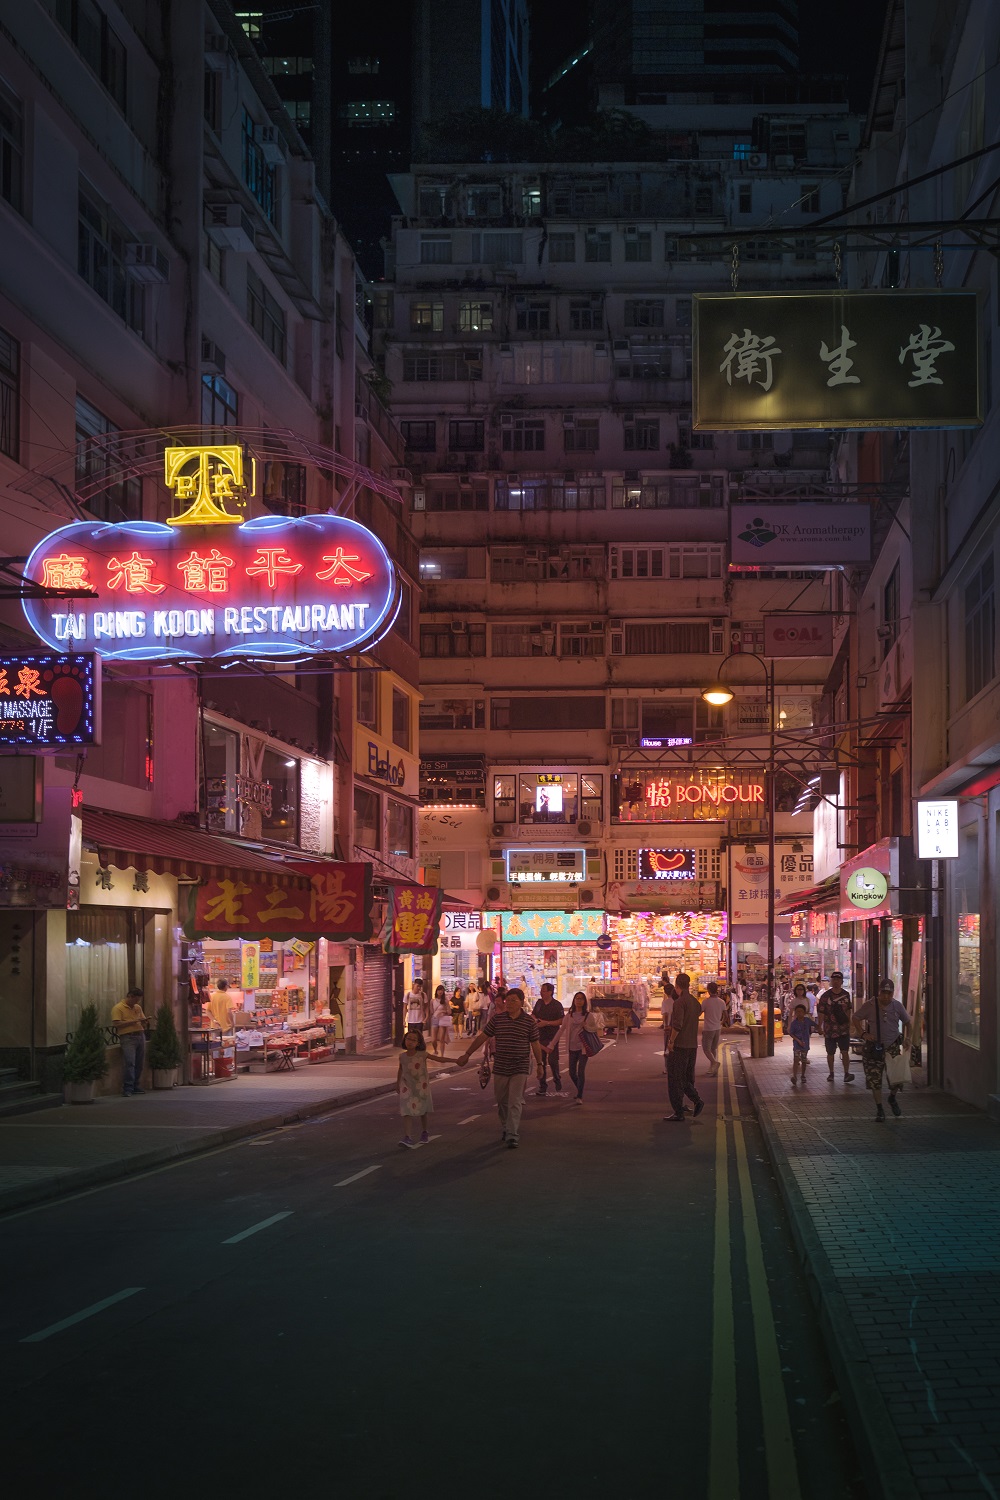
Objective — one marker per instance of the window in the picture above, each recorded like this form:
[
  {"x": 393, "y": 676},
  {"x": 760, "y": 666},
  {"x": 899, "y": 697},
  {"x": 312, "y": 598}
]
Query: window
[
  {"x": 668, "y": 718},
  {"x": 260, "y": 177},
  {"x": 746, "y": 198},
  {"x": 104, "y": 959},
  {"x": 11, "y": 149},
  {"x": 581, "y": 638},
  {"x": 524, "y": 639},
  {"x": 220, "y": 405},
  {"x": 502, "y": 249},
  {"x": 266, "y": 315},
  {"x": 284, "y": 488},
  {"x": 466, "y": 436},
  {"x": 400, "y": 719},
  {"x": 454, "y": 495},
  {"x": 453, "y": 638},
  {"x": 101, "y": 241},
  {"x": 809, "y": 197},
  {"x": 125, "y": 754},
  {"x": 562, "y": 248},
  {"x": 504, "y": 799},
  {"x": 646, "y": 312},
  {"x": 366, "y": 688},
  {"x": 364, "y": 113},
  {"x": 597, "y": 245},
  {"x": 683, "y": 491},
  {"x": 114, "y": 498},
  {"x": 980, "y": 630},
  {"x": 551, "y": 564},
  {"x": 638, "y": 244},
  {"x": 457, "y": 364},
  {"x": 581, "y": 435},
  {"x": 433, "y": 200},
  {"x": 890, "y": 611},
  {"x": 453, "y": 713},
  {"x": 682, "y": 313},
  {"x": 10, "y": 405},
  {"x": 484, "y": 200},
  {"x": 644, "y": 364},
  {"x": 642, "y": 434},
  {"x": 213, "y": 257},
  {"x": 435, "y": 249},
  {"x": 367, "y": 820},
  {"x": 97, "y": 42},
  {"x": 427, "y": 317},
  {"x": 211, "y": 100},
  {"x": 532, "y": 314},
  {"x": 668, "y": 637},
  {"x": 966, "y": 936},
  {"x": 553, "y": 493},
  {"x": 475, "y": 317},
  {"x": 531, "y": 202},
  {"x": 755, "y": 441},
  {"x": 452, "y": 562},
  {"x": 624, "y": 713},
  {"x": 282, "y": 822},
  {"x": 400, "y": 829},
  {"x": 551, "y": 712},
  {"x": 586, "y": 314},
  {"x": 419, "y": 437},
  {"x": 382, "y": 309},
  {"x": 220, "y": 766},
  {"x": 404, "y": 619},
  {"x": 547, "y": 797},
  {"x": 522, "y": 434}
]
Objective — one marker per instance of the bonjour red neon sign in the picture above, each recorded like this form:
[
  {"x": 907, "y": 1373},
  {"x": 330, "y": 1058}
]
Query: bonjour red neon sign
[{"x": 661, "y": 793}]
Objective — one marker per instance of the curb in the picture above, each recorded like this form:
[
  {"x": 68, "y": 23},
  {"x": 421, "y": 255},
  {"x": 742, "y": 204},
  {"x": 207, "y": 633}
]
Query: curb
[
  {"x": 879, "y": 1449},
  {"x": 73, "y": 1182}
]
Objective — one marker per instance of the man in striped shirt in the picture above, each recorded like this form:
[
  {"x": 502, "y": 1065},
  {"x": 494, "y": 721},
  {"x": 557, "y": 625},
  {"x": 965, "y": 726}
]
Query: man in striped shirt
[{"x": 515, "y": 1035}]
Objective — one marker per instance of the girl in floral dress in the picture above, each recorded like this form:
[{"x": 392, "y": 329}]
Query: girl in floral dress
[{"x": 414, "y": 1090}]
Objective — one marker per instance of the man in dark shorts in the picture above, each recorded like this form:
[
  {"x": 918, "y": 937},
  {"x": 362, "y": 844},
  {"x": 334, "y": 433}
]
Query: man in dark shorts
[
  {"x": 833, "y": 1013},
  {"x": 549, "y": 1014}
]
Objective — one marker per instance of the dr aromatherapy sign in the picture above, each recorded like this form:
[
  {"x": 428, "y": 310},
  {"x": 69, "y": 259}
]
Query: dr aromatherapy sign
[
  {"x": 812, "y": 534},
  {"x": 208, "y": 585},
  {"x": 837, "y": 359}
]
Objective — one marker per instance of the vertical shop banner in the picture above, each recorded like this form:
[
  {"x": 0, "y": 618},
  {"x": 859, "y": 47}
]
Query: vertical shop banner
[
  {"x": 749, "y": 879},
  {"x": 250, "y": 966},
  {"x": 836, "y": 360},
  {"x": 334, "y": 903},
  {"x": 413, "y": 919}
]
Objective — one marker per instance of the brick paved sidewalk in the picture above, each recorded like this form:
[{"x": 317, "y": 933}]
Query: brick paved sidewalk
[
  {"x": 57, "y": 1151},
  {"x": 898, "y": 1226}
]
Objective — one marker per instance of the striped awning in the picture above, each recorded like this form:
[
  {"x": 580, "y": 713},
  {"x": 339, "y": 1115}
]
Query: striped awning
[
  {"x": 827, "y": 893},
  {"x": 133, "y": 843}
]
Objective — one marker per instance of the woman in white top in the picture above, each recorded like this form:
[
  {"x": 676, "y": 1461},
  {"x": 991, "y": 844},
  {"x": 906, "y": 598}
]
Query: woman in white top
[
  {"x": 579, "y": 1018},
  {"x": 441, "y": 1022}
]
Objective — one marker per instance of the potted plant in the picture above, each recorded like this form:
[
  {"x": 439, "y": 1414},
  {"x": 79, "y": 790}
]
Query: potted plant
[
  {"x": 85, "y": 1060},
  {"x": 164, "y": 1048}
]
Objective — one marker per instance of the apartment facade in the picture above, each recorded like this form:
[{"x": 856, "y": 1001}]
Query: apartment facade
[{"x": 573, "y": 530}]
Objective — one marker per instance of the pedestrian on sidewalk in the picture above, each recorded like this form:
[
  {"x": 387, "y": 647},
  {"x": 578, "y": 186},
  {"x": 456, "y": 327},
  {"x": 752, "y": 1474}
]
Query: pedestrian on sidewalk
[
  {"x": 414, "y": 1089},
  {"x": 716, "y": 1015},
  {"x": 441, "y": 1024},
  {"x": 878, "y": 1022},
  {"x": 666, "y": 1006},
  {"x": 474, "y": 1008},
  {"x": 130, "y": 1022},
  {"x": 800, "y": 1029},
  {"x": 458, "y": 1016},
  {"x": 579, "y": 1018},
  {"x": 549, "y": 1014},
  {"x": 682, "y": 1049},
  {"x": 416, "y": 1009},
  {"x": 833, "y": 1012},
  {"x": 515, "y": 1037}
]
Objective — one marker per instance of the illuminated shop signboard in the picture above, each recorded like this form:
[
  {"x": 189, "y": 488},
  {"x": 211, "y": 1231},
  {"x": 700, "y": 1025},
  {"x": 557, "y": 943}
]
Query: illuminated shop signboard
[
  {"x": 50, "y": 702},
  {"x": 709, "y": 797},
  {"x": 551, "y": 865},
  {"x": 210, "y": 585},
  {"x": 543, "y": 926},
  {"x": 667, "y": 864}
]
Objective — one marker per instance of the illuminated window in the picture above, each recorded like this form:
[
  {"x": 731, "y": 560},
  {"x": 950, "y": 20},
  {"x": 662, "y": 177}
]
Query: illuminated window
[
  {"x": 363, "y": 113},
  {"x": 427, "y": 317},
  {"x": 475, "y": 317}
]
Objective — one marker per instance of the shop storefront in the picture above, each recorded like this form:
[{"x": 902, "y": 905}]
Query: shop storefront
[
  {"x": 550, "y": 947},
  {"x": 646, "y": 943},
  {"x": 749, "y": 882},
  {"x": 460, "y": 960},
  {"x": 885, "y": 901}
]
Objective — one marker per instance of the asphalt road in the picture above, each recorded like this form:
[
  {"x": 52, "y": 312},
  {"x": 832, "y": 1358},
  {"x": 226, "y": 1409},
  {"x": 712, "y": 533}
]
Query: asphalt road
[{"x": 614, "y": 1308}]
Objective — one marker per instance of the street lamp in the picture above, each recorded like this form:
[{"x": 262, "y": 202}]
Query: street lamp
[{"x": 718, "y": 695}]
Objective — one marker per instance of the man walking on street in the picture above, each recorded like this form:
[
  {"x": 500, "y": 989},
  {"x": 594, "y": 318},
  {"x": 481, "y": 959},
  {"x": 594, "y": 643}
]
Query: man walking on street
[
  {"x": 416, "y": 1009},
  {"x": 515, "y": 1035},
  {"x": 682, "y": 1049},
  {"x": 833, "y": 1012},
  {"x": 549, "y": 1014},
  {"x": 716, "y": 1013},
  {"x": 129, "y": 1020}
]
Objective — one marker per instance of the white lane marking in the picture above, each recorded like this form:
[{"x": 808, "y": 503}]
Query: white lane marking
[
  {"x": 245, "y": 1234},
  {"x": 469, "y": 1119},
  {"x": 88, "y": 1312},
  {"x": 364, "y": 1173},
  {"x": 460, "y": 1091}
]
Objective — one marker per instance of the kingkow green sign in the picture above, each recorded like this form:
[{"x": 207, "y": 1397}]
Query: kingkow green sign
[
  {"x": 867, "y": 888},
  {"x": 836, "y": 359}
]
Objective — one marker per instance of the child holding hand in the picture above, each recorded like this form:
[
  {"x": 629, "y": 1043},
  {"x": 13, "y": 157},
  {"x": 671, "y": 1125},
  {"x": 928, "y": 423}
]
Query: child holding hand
[{"x": 414, "y": 1089}]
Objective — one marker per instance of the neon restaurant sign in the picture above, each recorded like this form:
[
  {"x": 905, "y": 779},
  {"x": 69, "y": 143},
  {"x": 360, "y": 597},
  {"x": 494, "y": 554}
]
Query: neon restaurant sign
[
  {"x": 209, "y": 585},
  {"x": 709, "y": 797}
]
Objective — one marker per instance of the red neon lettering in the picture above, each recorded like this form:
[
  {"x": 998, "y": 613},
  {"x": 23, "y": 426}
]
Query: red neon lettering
[
  {"x": 135, "y": 573},
  {"x": 340, "y": 571},
  {"x": 65, "y": 572},
  {"x": 269, "y": 562},
  {"x": 206, "y": 574}
]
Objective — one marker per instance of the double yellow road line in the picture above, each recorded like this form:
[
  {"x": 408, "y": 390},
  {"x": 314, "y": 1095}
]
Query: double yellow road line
[{"x": 779, "y": 1448}]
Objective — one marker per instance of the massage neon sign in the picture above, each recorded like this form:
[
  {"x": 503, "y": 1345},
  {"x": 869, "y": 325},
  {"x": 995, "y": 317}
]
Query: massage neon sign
[{"x": 208, "y": 585}]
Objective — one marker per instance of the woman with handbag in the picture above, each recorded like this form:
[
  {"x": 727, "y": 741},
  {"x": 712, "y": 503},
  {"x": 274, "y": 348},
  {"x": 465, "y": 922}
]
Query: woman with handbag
[
  {"x": 582, "y": 1041},
  {"x": 878, "y": 1023}
]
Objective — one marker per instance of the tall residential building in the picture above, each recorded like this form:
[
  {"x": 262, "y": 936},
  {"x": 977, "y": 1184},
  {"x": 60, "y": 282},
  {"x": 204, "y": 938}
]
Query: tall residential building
[
  {"x": 168, "y": 272},
  {"x": 573, "y": 533},
  {"x": 469, "y": 54}
]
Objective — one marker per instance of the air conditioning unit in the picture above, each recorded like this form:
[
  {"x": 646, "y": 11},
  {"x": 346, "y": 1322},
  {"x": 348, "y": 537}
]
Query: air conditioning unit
[
  {"x": 493, "y": 893},
  {"x": 229, "y": 225},
  {"x": 620, "y": 346},
  {"x": 401, "y": 476},
  {"x": 506, "y": 348},
  {"x": 459, "y": 627},
  {"x": 587, "y": 897},
  {"x": 601, "y": 348},
  {"x": 506, "y": 419},
  {"x": 620, "y": 737},
  {"x": 218, "y": 51},
  {"x": 785, "y": 163},
  {"x": 146, "y": 263},
  {"x": 272, "y": 145},
  {"x": 212, "y": 357},
  {"x": 585, "y": 829},
  {"x": 757, "y": 160}
]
